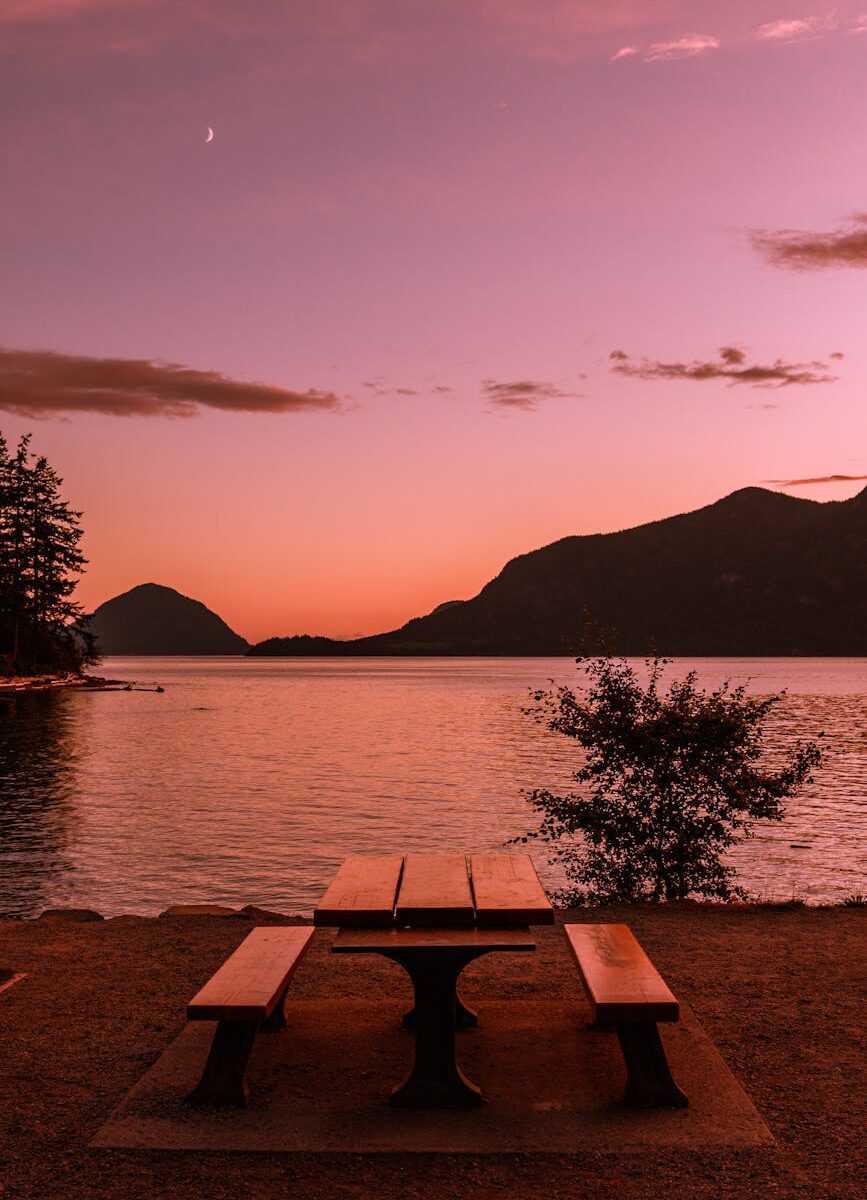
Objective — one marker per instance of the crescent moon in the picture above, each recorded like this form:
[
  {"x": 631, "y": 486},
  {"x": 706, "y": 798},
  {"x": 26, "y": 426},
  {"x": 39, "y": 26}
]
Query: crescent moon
[{"x": 210, "y": 136}]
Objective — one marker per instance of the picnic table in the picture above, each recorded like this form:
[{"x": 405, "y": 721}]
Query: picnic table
[{"x": 433, "y": 914}]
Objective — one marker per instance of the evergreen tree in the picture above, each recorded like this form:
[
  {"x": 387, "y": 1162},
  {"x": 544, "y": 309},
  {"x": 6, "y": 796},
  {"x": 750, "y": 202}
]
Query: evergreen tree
[{"x": 41, "y": 626}]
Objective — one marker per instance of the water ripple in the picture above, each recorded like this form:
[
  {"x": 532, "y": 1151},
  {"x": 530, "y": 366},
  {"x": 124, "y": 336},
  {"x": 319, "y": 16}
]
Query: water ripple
[{"x": 249, "y": 780}]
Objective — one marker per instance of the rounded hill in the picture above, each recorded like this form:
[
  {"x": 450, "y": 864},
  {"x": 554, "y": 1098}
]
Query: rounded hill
[{"x": 152, "y": 619}]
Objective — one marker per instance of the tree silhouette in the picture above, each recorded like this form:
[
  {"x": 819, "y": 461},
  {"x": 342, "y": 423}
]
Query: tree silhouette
[
  {"x": 40, "y": 563},
  {"x": 668, "y": 781}
]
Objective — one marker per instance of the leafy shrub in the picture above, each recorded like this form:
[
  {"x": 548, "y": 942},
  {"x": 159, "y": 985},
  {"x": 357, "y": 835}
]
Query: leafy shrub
[{"x": 669, "y": 781}]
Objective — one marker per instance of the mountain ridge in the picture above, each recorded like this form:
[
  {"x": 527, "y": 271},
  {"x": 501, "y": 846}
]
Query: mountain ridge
[{"x": 754, "y": 573}]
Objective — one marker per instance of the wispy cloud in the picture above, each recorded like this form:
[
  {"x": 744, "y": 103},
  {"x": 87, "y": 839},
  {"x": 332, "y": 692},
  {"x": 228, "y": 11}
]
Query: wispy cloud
[
  {"x": 48, "y": 10},
  {"x": 687, "y": 46},
  {"x": 378, "y": 387},
  {"x": 42, "y": 383},
  {"x": 790, "y": 30},
  {"x": 801, "y": 250},
  {"x": 522, "y": 393},
  {"x": 816, "y": 479},
  {"x": 373, "y": 32},
  {"x": 781, "y": 32},
  {"x": 730, "y": 366},
  {"x": 561, "y": 29}
]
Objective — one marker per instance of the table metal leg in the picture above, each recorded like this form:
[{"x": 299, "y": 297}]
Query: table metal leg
[
  {"x": 465, "y": 1017},
  {"x": 436, "y": 1080}
]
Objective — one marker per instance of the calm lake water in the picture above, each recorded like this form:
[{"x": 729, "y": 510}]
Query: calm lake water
[{"x": 248, "y": 780}]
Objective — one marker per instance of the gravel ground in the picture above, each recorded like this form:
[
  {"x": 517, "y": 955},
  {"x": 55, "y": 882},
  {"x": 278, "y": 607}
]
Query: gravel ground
[{"x": 782, "y": 992}]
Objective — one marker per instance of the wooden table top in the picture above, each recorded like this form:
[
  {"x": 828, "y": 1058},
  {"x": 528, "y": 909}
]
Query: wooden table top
[{"x": 435, "y": 891}]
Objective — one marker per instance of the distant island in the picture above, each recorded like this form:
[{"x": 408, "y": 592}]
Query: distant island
[
  {"x": 152, "y": 619},
  {"x": 757, "y": 573}
]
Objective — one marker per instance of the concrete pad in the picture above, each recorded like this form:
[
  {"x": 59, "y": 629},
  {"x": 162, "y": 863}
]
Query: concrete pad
[
  {"x": 551, "y": 1085},
  {"x": 323, "y": 1084}
]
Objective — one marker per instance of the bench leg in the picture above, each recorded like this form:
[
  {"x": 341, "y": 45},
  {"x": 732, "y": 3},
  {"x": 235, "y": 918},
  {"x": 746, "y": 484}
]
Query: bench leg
[
  {"x": 649, "y": 1083},
  {"x": 223, "y": 1081},
  {"x": 277, "y": 1020}
]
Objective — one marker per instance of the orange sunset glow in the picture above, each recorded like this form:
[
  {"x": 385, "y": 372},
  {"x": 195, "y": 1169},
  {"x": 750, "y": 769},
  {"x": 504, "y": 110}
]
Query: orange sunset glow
[{"x": 325, "y": 312}]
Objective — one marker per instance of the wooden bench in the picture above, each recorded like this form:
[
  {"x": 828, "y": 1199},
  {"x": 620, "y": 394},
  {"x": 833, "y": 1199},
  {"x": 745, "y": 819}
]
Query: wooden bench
[
  {"x": 247, "y": 993},
  {"x": 626, "y": 991}
]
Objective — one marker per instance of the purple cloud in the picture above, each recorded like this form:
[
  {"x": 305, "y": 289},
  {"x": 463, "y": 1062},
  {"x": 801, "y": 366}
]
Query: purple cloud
[
  {"x": 816, "y": 479},
  {"x": 522, "y": 393},
  {"x": 43, "y": 383},
  {"x": 731, "y": 366},
  {"x": 804, "y": 251},
  {"x": 379, "y": 387}
]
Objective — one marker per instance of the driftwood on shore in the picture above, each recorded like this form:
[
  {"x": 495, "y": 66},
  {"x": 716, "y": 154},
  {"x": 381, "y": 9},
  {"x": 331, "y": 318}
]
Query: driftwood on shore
[{"x": 19, "y": 684}]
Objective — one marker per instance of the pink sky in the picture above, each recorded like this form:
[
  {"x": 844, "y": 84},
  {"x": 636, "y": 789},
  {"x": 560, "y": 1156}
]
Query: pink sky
[{"x": 425, "y": 226}]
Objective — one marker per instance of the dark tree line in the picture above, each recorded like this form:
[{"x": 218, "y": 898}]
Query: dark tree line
[{"x": 41, "y": 626}]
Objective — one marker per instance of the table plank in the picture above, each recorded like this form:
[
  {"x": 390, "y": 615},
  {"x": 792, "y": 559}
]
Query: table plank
[
  {"x": 251, "y": 980},
  {"x": 507, "y": 891},
  {"x": 435, "y": 890},
  {"x": 383, "y": 941},
  {"x": 362, "y": 893}
]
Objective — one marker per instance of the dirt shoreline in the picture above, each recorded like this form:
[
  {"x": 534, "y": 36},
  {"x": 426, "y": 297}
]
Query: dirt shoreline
[{"x": 780, "y": 992}]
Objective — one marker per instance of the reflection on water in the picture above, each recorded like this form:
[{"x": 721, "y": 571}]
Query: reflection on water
[
  {"x": 819, "y": 852},
  {"x": 38, "y": 815},
  {"x": 248, "y": 780}
]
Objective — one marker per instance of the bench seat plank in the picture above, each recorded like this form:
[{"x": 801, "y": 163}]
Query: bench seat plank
[
  {"x": 362, "y": 893},
  {"x": 620, "y": 979},
  {"x": 507, "y": 891},
  {"x": 251, "y": 981},
  {"x": 435, "y": 890}
]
